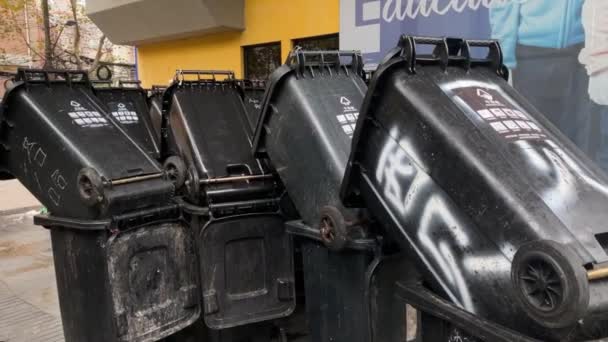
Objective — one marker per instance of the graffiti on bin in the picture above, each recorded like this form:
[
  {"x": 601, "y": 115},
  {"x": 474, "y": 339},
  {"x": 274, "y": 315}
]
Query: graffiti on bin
[
  {"x": 36, "y": 162},
  {"x": 255, "y": 102},
  {"x": 412, "y": 196}
]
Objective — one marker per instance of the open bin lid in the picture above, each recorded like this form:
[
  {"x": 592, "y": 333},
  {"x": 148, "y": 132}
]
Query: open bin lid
[{"x": 207, "y": 115}]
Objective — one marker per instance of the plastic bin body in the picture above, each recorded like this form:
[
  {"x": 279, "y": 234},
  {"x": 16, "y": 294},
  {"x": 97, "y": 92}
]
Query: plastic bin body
[
  {"x": 50, "y": 131},
  {"x": 138, "y": 285},
  {"x": 461, "y": 170},
  {"x": 129, "y": 108},
  {"x": 246, "y": 257},
  {"x": 336, "y": 286},
  {"x": 246, "y": 267},
  {"x": 305, "y": 129}
]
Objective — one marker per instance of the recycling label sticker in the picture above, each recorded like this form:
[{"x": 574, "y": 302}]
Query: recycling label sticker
[
  {"x": 84, "y": 117},
  {"x": 348, "y": 116},
  {"x": 490, "y": 104},
  {"x": 123, "y": 112}
]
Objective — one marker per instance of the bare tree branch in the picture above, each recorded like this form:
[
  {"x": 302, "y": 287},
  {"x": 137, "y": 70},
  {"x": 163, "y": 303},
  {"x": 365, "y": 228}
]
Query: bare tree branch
[
  {"x": 48, "y": 53},
  {"x": 77, "y": 34},
  {"x": 99, "y": 53}
]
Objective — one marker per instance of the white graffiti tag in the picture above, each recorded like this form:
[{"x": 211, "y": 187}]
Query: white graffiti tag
[{"x": 414, "y": 198}]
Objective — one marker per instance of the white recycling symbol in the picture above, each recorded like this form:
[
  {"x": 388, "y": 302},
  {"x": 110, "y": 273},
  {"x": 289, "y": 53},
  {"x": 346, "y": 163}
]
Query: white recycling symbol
[
  {"x": 484, "y": 94},
  {"x": 345, "y": 101}
]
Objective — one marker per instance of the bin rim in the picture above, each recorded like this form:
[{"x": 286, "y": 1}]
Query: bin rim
[{"x": 114, "y": 223}]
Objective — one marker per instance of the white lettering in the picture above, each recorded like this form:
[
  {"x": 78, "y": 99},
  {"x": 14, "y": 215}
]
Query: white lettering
[{"x": 402, "y": 9}]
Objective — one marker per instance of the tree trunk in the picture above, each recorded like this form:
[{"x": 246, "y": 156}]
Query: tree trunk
[
  {"x": 76, "y": 34},
  {"x": 99, "y": 53},
  {"x": 48, "y": 50}
]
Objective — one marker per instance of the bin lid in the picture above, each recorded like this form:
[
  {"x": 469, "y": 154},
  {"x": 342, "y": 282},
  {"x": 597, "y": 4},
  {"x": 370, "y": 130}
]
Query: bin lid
[
  {"x": 207, "y": 116},
  {"x": 129, "y": 108}
]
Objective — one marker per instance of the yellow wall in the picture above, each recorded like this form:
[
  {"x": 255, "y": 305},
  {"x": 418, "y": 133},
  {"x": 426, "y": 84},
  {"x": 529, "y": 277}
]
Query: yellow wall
[{"x": 266, "y": 21}]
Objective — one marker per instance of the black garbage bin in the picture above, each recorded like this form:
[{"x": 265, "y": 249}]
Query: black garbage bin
[
  {"x": 155, "y": 103},
  {"x": 246, "y": 258},
  {"x": 504, "y": 216},
  {"x": 125, "y": 261},
  {"x": 128, "y": 105},
  {"x": 308, "y": 116}
]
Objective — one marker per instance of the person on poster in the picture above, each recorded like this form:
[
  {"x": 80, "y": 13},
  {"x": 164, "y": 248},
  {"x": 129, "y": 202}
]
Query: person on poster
[
  {"x": 541, "y": 41},
  {"x": 595, "y": 54}
]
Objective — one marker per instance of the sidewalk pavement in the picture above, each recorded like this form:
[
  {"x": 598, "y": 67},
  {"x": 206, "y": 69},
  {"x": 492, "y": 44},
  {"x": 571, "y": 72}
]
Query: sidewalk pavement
[
  {"x": 29, "y": 308},
  {"x": 15, "y": 198}
]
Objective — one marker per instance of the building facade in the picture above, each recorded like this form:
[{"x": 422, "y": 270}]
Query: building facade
[{"x": 253, "y": 39}]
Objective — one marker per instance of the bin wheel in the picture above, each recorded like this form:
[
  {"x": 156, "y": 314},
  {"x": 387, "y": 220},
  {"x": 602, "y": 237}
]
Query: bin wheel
[
  {"x": 175, "y": 170},
  {"x": 193, "y": 185},
  {"x": 90, "y": 186},
  {"x": 550, "y": 283},
  {"x": 333, "y": 228}
]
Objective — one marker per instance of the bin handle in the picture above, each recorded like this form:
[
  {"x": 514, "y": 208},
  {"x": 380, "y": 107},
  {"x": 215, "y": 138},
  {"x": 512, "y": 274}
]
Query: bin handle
[
  {"x": 180, "y": 74},
  {"x": 251, "y": 84},
  {"x": 101, "y": 84},
  {"x": 129, "y": 83},
  {"x": 238, "y": 169},
  {"x": 297, "y": 59},
  {"x": 298, "y": 56},
  {"x": 440, "y": 53},
  {"x": 447, "y": 50},
  {"x": 494, "y": 57},
  {"x": 26, "y": 75}
]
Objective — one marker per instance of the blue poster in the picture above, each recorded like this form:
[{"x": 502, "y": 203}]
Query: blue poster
[
  {"x": 374, "y": 26},
  {"x": 557, "y": 50}
]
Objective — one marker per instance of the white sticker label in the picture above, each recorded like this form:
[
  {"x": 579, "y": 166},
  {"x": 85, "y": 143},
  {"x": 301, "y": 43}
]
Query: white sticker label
[
  {"x": 496, "y": 109},
  {"x": 83, "y": 117},
  {"x": 348, "y": 116}
]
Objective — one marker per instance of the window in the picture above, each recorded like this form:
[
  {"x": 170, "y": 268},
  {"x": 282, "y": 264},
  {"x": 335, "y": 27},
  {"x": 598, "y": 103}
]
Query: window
[
  {"x": 261, "y": 60},
  {"x": 327, "y": 42}
]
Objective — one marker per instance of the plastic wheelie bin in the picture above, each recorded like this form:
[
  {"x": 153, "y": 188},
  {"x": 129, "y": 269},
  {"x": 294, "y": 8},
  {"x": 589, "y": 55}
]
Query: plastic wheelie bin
[
  {"x": 127, "y": 103},
  {"x": 125, "y": 261},
  {"x": 155, "y": 99},
  {"x": 246, "y": 258},
  {"x": 504, "y": 216},
  {"x": 308, "y": 115}
]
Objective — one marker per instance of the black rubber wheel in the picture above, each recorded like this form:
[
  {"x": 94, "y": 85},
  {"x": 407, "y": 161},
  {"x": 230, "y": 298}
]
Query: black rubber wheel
[
  {"x": 550, "y": 283},
  {"x": 175, "y": 169},
  {"x": 193, "y": 185},
  {"x": 333, "y": 228},
  {"x": 90, "y": 187}
]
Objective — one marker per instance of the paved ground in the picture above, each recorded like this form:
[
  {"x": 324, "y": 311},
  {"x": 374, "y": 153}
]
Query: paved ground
[
  {"x": 29, "y": 309},
  {"x": 14, "y": 197}
]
